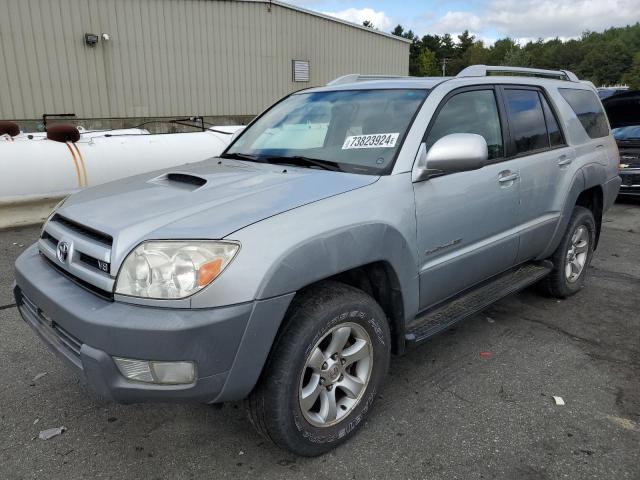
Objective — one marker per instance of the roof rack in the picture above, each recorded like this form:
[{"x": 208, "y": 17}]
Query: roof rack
[
  {"x": 485, "y": 70},
  {"x": 357, "y": 77}
]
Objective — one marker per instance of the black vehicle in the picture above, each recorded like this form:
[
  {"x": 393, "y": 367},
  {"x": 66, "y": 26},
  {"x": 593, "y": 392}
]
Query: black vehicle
[
  {"x": 623, "y": 110},
  {"x": 606, "y": 92}
]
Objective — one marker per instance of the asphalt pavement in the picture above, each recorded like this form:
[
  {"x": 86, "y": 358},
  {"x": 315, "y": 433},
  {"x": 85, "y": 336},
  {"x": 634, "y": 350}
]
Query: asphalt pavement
[{"x": 447, "y": 412}]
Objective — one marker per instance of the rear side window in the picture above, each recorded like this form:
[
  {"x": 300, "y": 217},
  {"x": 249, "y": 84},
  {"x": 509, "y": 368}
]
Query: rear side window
[
  {"x": 474, "y": 111},
  {"x": 587, "y": 107},
  {"x": 555, "y": 135},
  {"x": 526, "y": 120}
]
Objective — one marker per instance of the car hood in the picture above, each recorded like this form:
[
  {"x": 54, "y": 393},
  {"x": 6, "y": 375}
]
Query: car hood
[
  {"x": 623, "y": 109},
  {"x": 210, "y": 199}
]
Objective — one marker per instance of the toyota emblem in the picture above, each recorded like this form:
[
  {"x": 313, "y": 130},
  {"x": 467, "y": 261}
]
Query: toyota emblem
[{"x": 63, "y": 251}]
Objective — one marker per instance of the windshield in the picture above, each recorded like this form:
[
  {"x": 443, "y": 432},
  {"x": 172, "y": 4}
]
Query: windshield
[
  {"x": 631, "y": 132},
  {"x": 357, "y": 131}
]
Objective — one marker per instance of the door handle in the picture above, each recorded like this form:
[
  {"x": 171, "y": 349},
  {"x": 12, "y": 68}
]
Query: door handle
[
  {"x": 564, "y": 160},
  {"x": 508, "y": 177}
]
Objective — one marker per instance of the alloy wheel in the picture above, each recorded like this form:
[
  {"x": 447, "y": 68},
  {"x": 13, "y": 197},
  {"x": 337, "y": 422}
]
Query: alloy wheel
[
  {"x": 336, "y": 374},
  {"x": 577, "y": 253}
]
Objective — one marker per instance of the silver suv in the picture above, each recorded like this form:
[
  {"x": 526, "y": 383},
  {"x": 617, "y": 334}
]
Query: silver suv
[{"x": 346, "y": 223}]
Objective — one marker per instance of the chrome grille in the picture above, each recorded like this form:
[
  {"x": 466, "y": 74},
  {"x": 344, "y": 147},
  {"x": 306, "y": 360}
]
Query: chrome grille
[
  {"x": 50, "y": 238},
  {"x": 630, "y": 156},
  {"x": 107, "y": 295},
  {"x": 89, "y": 260},
  {"x": 630, "y": 180},
  {"x": 83, "y": 231},
  {"x": 89, "y": 253}
]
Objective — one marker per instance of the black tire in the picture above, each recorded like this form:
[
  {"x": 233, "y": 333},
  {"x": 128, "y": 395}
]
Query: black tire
[
  {"x": 274, "y": 406},
  {"x": 556, "y": 283}
]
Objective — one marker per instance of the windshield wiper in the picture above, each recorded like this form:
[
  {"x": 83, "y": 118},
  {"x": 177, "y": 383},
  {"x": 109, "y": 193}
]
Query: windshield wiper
[
  {"x": 304, "y": 161},
  {"x": 294, "y": 160},
  {"x": 242, "y": 156}
]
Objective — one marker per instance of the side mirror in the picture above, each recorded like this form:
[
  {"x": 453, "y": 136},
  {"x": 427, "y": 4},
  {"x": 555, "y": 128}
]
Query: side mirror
[{"x": 457, "y": 152}]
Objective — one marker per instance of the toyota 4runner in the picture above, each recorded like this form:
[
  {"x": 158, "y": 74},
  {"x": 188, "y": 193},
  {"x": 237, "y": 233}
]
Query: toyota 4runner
[{"x": 344, "y": 224}]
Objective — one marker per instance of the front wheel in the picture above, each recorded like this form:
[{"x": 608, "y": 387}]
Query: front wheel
[
  {"x": 324, "y": 372},
  {"x": 573, "y": 256}
]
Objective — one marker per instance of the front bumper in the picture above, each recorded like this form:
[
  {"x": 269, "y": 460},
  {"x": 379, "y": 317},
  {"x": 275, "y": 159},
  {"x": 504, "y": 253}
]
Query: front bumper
[{"x": 228, "y": 345}]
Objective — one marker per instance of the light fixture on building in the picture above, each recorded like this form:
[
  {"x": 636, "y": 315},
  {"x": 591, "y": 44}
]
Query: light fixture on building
[{"x": 91, "y": 39}]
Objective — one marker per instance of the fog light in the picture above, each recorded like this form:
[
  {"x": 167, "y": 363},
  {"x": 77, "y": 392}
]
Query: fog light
[
  {"x": 137, "y": 370},
  {"x": 173, "y": 372},
  {"x": 165, "y": 373}
]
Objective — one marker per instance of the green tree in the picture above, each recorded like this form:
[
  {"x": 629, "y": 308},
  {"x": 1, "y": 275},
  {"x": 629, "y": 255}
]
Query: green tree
[
  {"x": 447, "y": 47},
  {"x": 476, "y": 54},
  {"x": 454, "y": 66},
  {"x": 607, "y": 57},
  {"x": 427, "y": 64},
  {"x": 517, "y": 58},
  {"x": 465, "y": 41},
  {"x": 606, "y": 64},
  {"x": 398, "y": 31},
  {"x": 632, "y": 77},
  {"x": 556, "y": 54},
  {"x": 414, "y": 47},
  {"x": 537, "y": 53},
  {"x": 433, "y": 43},
  {"x": 499, "y": 50}
]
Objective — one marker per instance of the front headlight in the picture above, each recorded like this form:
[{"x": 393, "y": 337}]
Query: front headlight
[{"x": 173, "y": 269}]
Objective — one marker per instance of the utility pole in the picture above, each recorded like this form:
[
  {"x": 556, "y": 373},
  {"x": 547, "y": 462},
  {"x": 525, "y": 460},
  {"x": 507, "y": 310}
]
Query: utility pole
[{"x": 444, "y": 67}]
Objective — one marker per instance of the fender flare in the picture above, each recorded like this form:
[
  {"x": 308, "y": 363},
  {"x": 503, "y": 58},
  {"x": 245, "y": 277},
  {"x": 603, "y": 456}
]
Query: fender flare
[
  {"x": 577, "y": 187},
  {"x": 341, "y": 250},
  {"x": 308, "y": 262},
  {"x": 589, "y": 176}
]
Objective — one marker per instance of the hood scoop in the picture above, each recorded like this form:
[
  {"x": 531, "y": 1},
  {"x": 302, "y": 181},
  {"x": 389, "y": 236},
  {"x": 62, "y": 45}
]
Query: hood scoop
[{"x": 185, "y": 181}]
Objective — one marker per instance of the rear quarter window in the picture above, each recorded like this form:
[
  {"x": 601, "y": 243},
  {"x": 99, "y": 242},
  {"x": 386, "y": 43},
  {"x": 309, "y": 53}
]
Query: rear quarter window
[
  {"x": 526, "y": 120},
  {"x": 589, "y": 111}
]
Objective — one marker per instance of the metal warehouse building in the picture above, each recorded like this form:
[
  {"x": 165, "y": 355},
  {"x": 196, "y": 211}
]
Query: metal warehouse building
[{"x": 162, "y": 58}]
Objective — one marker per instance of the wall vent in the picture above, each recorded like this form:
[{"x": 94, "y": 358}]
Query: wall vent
[{"x": 301, "y": 71}]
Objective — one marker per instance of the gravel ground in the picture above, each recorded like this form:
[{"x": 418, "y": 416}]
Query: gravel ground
[{"x": 446, "y": 412}]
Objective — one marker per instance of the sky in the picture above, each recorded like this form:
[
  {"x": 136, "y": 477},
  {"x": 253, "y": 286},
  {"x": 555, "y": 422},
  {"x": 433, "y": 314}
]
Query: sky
[{"x": 488, "y": 20}]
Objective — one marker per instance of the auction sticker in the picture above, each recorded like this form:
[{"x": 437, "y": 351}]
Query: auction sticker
[{"x": 375, "y": 140}]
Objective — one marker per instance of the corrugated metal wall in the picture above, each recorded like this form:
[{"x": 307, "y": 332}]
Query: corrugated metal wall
[{"x": 172, "y": 57}]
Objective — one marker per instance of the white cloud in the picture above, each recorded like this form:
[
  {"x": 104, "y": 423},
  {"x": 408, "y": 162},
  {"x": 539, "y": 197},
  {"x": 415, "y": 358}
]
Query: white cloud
[
  {"x": 562, "y": 18},
  {"x": 453, "y": 22},
  {"x": 358, "y": 15},
  {"x": 533, "y": 19},
  {"x": 522, "y": 20}
]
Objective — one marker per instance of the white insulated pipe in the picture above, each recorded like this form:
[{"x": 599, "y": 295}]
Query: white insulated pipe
[{"x": 36, "y": 173}]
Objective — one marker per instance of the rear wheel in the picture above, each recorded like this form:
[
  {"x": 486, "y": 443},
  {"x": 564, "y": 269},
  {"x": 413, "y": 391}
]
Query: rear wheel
[
  {"x": 573, "y": 256},
  {"x": 324, "y": 372}
]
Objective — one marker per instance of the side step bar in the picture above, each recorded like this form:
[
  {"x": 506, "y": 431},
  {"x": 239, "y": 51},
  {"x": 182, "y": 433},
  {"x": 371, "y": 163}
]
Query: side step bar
[{"x": 444, "y": 316}]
